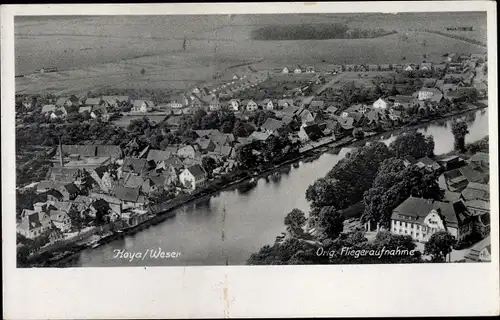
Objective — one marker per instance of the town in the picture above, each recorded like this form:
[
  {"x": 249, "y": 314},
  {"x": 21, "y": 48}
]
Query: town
[{"x": 100, "y": 165}]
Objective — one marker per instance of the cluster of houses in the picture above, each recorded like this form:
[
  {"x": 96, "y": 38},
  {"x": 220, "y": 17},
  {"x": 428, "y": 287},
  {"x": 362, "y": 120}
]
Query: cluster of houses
[
  {"x": 453, "y": 62},
  {"x": 121, "y": 186},
  {"x": 464, "y": 209}
]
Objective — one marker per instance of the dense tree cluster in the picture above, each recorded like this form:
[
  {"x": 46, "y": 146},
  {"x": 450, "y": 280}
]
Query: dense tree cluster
[
  {"x": 315, "y": 31},
  {"x": 413, "y": 144},
  {"x": 393, "y": 184}
]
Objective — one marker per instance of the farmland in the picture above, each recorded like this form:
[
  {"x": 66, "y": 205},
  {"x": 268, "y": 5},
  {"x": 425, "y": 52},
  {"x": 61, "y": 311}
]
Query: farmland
[{"x": 92, "y": 52}]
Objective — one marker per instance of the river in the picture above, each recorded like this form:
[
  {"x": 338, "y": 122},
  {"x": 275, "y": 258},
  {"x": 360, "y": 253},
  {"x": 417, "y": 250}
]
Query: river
[{"x": 204, "y": 235}]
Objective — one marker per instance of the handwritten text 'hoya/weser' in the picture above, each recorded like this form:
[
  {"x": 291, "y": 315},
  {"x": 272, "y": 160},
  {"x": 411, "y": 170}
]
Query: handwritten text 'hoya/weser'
[{"x": 147, "y": 254}]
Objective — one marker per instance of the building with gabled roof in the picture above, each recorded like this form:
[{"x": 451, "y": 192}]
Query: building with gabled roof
[
  {"x": 193, "y": 177},
  {"x": 421, "y": 218},
  {"x": 272, "y": 125}
]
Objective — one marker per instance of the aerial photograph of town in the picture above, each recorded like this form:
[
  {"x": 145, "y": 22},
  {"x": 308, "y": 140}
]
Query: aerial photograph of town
[{"x": 251, "y": 139}]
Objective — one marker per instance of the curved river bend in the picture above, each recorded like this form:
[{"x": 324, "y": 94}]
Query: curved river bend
[{"x": 205, "y": 236}]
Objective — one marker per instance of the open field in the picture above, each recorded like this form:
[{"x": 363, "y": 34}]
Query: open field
[{"x": 94, "y": 51}]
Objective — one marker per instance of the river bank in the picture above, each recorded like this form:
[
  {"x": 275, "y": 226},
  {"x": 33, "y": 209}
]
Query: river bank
[{"x": 256, "y": 174}]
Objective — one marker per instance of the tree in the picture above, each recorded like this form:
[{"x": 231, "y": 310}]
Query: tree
[
  {"x": 358, "y": 133},
  {"x": 358, "y": 170},
  {"x": 347, "y": 94},
  {"x": 412, "y": 143},
  {"x": 459, "y": 130},
  {"x": 294, "y": 222},
  {"x": 330, "y": 192},
  {"x": 209, "y": 164},
  {"x": 142, "y": 71},
  {"x": 393, "y": 184},
  {"x": 331, "y": 222},
  {"x": 261, "y": 116},
  {"x": 439, "y": 245},
  {"x": 242, "y": 129}
]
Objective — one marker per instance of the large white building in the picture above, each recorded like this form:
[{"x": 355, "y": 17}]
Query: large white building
[
  {"x": 421, "y": 218},
  {"x": 193, "y": 177}
]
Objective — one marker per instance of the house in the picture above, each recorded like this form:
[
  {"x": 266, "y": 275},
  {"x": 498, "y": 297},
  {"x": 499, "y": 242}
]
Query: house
[
  {"x": 421, "y": 218},
  {"x": 134, "y": 217},
  {"x": 93, "y": 102},
  {"x": 285, "y": 70},
  {"x": 60, "y": 220},
  {"x": 476, "y": 191},
  {"x": 480, "y": 160},
  {"x": 251, "y": 105},
  {"x": 34, "y": 224},
  {"x": 481, "y": 251},
  {"x": 455, "y": 181},
  {"x": 409, "y": 161},
  {"x": 359, "y": 108},
  {"x": 478, "y": 207},
  {"x": 136, "y": 166},
  {"x": 425, "y": 66},
  {"x": 205, "y": 144},
  {"x": 108, "y": 150},
  {"x": 307, "y": 116},
  {"x": 372, "y": 67},
  {"x": 396, "y": 67},
  {"x": 402, "y": 101},
  {"x": 331, "y": 110},
  {"x": 409, "y": 68},
  {"x": 178, "y": 102},
  {"x": 317, "y": 105},
  {"x": 460, "y": 94},
  {"x": 381, "y": 104},
  {"x": 430, "y": 94},
  {"x": 259, "y": 136},
  {"x": 473, "y": 174},
  {"x": 188, "y": 151},
  {"x": 48, "y": 108},
  {"x": 346, "y": 123},
  {"x": 451, "y": 162},
  {"x": 100, "y": 111},
  {"x": 310, "y": 69},
  {"x": 298, "y": 69},
  {"x": 85, "y": 109},
  {"x": 193, "y": 177},
  {"x": 452, "y": 57},
  {"x": 130, "y": 197},
  {"x": 428, "y": 163},
  {"x": 115, "y": 101},
  {"x": 440, "y": 67},
  {"x": 310, "y": 132},
  {"x": 267, "y": 104},
  {"x": 234, "y": 104},
  {"x": 395, "y": 115},
  {"x": 224, "y": 151},
  {"x": 160, "y": 155},
  {"x": 131, "y": 181},
  {"x": 272, "y": 126},
  {"x": 385, "y": 67},
  {"x": 330, "y": 128},
  {"x": 69, "y": 191},
  {"x": 142, "y": 106},
  {"x": 103, "y": 178},
  {"x": 212, "y": 102},
  {"x": 335, "y": 68},
  {"x": 283, "y": 103},
  {"x": 305, "y": 101}
]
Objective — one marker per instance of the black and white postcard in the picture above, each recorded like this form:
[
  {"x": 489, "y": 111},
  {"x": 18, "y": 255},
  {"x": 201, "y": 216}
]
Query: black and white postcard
[{"x": 291, "y": 159}]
